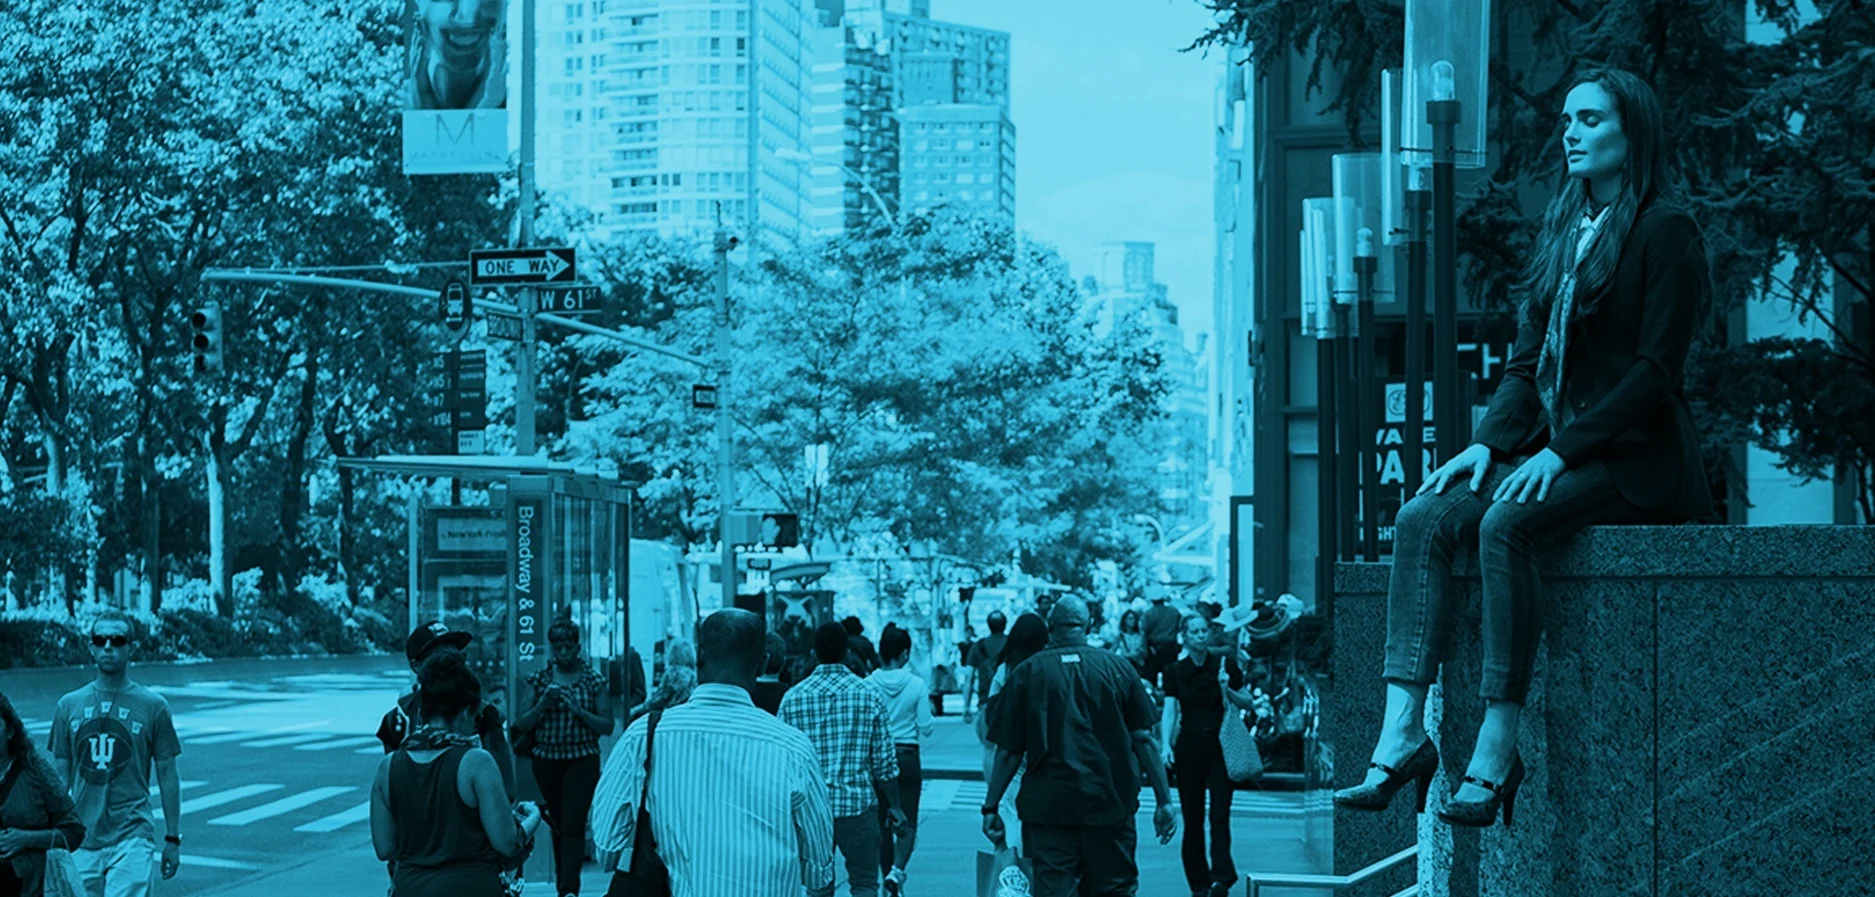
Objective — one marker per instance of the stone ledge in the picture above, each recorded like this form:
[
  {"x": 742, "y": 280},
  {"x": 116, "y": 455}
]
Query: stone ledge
[
  {"x": 1678, "y": 552},
  {"x": 1698, "y": 723}
]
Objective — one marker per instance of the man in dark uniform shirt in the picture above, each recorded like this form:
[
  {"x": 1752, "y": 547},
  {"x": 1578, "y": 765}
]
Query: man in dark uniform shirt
[
  {"x": 424, "y": 641},
  {"x": 1079, "y": 716}
]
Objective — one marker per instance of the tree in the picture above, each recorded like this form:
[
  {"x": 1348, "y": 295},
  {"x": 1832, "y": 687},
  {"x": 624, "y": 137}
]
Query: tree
[
  {"x": 1770, "y": 141},
  {"x": 947, "y": 366}
]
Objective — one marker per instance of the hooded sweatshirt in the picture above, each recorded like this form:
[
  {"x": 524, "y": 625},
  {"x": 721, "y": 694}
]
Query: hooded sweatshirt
[{"x": 907, "y": 708}]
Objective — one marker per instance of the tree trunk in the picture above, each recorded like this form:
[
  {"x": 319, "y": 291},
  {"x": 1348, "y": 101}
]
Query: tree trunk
[
  {"x": 218, "y": 580},
  {"x": 150, "y": 508},
  {"x": 57, "y": 576},
  {"x": 293, "y": 492}
]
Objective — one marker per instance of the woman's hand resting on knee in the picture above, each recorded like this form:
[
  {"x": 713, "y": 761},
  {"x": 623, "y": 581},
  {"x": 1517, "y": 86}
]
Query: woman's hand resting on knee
[
  {"x": 1532, "y": 478},
  {"x": 1474, "y": 462}
]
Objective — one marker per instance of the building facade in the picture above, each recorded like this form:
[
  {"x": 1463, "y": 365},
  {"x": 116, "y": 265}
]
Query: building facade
[
  {"x": 657, "y": 115},
  {"x": 1233, "y": 406},
  {"x": 1125, "y": 290}
]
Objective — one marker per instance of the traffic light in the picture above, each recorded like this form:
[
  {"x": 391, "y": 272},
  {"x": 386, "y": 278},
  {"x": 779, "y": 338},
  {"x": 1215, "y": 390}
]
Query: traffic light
[
  {"x": 205, "y": 341},
  {"x": 781, "y": 530}
]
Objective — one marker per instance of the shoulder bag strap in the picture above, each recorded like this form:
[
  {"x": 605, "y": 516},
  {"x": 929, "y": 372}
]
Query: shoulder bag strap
[{"x": 644, "y": 792}]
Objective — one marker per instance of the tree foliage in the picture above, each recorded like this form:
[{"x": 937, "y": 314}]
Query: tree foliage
[
  {"x": 947, "y": 366},
  {"x": 1771, "y": 141}
]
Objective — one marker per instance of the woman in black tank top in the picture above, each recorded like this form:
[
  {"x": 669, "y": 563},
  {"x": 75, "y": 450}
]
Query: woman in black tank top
[{"x": 439, "y": 812}]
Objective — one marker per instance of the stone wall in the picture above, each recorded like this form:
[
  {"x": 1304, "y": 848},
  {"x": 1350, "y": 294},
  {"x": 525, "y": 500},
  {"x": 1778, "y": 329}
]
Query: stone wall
[{"x": 1702, "y": 722}]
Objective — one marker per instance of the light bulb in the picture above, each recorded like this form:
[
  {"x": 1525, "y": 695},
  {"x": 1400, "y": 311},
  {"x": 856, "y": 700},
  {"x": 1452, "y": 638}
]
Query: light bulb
[
  {"x": 1364, "y": 242},
  {"x": 1444, "y": 80}
]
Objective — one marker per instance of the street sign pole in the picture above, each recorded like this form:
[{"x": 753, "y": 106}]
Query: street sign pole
[
  {"x": 524, "y": 370},
  {"x": 725, "y": 444}
]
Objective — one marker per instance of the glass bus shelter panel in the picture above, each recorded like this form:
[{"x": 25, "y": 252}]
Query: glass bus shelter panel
[
  {"x": 463, "y": 581},
  {"x": 592, "y": 560}
]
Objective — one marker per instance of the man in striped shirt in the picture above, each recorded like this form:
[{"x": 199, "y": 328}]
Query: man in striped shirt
[
  {"x": 737, "y": 801},
  {"x": 846, "y": 720}
]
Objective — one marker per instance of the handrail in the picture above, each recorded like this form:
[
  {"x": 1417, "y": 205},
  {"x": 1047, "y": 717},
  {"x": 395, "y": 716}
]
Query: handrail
[{"x": 1256, "y": 880}]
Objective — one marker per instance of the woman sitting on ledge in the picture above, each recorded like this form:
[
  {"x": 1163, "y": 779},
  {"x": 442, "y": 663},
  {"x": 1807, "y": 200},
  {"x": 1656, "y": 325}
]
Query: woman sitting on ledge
[{"x": 1590, "y": 427}]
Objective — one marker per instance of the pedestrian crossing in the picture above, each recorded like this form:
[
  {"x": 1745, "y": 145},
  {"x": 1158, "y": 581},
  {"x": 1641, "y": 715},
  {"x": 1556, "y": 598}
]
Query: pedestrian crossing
[
  {"x": 953, "y": 794},
  {"x": 277, "y": 737}
]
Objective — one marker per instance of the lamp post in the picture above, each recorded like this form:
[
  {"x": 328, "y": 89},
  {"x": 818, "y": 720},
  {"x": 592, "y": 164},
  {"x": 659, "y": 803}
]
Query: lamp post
[
  {"x": 1448, "y": 47},
  {"x": 794, "y": 155},
  {"x": 1318, "y": 321},
  {"x": 1405, "y": 201},
  {"x": 1360, "y": 279}
]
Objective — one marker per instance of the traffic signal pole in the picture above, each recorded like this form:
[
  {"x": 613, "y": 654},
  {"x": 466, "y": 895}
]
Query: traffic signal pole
[
  {"x": 525, "y": 375},
  {"x": 725, "y": 441}
]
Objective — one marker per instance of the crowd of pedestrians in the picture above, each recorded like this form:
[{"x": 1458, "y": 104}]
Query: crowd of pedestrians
[{"x": 732, "y": 777}]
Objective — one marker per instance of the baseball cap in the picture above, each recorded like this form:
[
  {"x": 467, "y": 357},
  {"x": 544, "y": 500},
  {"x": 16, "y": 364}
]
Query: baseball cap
[{"x": 431, "y": 634}]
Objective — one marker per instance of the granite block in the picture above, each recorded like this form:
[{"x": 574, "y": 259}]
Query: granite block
[
  {"x": 1765, "y": 746},
  {"x": 1352, "y": 703},
  {"x": 1698, "y": 724}
]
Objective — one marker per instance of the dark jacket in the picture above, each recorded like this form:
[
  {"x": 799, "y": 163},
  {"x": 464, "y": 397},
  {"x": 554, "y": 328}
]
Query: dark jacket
[
  {"x": 33, "y": 799},
  {"x": 1625, "y": 373}
]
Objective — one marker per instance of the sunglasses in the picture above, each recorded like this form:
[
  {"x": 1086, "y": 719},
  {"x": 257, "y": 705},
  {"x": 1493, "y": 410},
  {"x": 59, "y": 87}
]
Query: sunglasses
[{"x": 115, "y": 641}]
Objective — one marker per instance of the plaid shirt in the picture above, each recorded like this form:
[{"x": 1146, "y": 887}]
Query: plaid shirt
[
  {"x": 845, "y": 719},
  {"x": 560, "y": 735}
]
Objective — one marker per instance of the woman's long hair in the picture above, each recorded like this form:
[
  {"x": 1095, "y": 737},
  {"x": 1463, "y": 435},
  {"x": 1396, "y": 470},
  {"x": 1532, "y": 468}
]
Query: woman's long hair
[
  {"x": 1130, "y": 617},
  {"x": 19, "y": 746},
  {"x": 1027, "y": 637},
  {"x": 1646, "y": 177}
]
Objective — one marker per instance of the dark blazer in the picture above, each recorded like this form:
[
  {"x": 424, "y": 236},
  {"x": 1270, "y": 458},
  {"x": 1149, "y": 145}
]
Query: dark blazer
[{"x": 1625, "y": 373}]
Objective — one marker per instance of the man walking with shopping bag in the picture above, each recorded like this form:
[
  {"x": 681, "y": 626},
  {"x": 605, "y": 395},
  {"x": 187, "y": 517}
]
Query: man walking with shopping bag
[{"x": 1082, "y": 720}]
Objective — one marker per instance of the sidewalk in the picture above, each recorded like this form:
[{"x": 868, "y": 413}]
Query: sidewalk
[
  {"x": 944, "y": 865},
  {"x": 953, "y": 752}
]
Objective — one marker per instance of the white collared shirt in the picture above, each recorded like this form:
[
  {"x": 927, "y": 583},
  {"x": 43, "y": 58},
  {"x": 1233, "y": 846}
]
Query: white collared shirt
[{"x": 738, "y": 801}]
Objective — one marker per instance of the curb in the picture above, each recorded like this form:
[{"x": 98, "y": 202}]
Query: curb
[{"x": 1270, "y": 781}]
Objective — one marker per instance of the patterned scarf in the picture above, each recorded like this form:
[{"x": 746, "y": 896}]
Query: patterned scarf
[
  {"x": 430, "y": 737},
  {"x": 1550, "y": 368}
]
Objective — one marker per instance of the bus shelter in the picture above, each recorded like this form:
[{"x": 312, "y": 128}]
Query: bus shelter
[{"x": 554, "y": 542}]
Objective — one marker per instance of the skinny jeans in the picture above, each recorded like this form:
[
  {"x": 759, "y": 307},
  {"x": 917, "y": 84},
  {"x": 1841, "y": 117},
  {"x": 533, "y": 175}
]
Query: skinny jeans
[{"x": 1430, "y": 530}]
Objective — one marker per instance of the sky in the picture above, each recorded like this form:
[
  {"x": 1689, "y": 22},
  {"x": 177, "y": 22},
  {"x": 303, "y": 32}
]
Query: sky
[{"x": 1113, "y": 131}]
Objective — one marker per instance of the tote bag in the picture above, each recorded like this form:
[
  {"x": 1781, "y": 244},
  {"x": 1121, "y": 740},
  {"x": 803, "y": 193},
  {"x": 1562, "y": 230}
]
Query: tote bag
[{"x": 1242, "y": 760}]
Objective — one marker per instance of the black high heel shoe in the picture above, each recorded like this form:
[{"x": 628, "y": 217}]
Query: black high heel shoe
[
  {"x": 1418, "y": 767},
  {"x": 1483, "y": 813}
]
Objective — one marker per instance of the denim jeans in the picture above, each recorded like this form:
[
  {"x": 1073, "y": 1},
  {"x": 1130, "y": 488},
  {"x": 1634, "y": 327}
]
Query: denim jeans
[{"x": 1427, "y": 536}]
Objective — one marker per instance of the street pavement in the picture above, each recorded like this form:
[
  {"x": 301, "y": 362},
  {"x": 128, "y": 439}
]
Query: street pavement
[{"x": 278, "y": 758}]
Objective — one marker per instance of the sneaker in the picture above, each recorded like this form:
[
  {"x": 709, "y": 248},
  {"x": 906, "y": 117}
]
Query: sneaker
[{"x": 895, "y": 883}]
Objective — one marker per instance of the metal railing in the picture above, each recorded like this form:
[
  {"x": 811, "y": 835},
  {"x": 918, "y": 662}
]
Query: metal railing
[{"x": 1257, "y": 881}]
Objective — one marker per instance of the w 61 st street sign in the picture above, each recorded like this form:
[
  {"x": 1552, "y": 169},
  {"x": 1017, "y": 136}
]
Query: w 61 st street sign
[{"x": 494, "y": 267}]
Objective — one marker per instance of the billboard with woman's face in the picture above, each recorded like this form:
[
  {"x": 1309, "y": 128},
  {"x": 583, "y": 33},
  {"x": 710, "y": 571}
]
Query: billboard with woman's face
[{"x": 455, "y": 87}]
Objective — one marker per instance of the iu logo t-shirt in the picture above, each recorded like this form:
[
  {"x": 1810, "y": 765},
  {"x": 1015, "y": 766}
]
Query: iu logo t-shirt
[{"x": 108, "y": 740}]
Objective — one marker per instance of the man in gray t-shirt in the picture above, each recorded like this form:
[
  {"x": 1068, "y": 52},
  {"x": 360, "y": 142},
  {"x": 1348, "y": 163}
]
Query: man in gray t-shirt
[{"x": 105, "y": 738}]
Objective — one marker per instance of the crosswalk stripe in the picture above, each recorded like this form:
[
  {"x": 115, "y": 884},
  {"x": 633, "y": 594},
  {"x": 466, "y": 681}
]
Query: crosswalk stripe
[
  {"x": 226, "y": 737},
  {"x": 185, "y": 784},
  {"x": 280, "y": 740},
  {"x": 216, "y": 863},
  {"x": 341, "y": 743},
  {"x": 283, "y": 805},
  {"x": 338, "y": 820},
  {"x": 296, "y": 727},
  {"x": 376, "y": 749},
  {"x": 210, "y": 801}
]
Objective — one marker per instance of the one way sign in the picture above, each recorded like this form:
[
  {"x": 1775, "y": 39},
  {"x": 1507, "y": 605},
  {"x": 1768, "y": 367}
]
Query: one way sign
[{"x": 491, "y": 267}]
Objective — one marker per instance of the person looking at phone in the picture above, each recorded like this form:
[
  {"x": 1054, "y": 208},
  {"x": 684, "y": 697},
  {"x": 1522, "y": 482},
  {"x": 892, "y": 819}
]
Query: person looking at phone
[{"x": 567, "y": 720}]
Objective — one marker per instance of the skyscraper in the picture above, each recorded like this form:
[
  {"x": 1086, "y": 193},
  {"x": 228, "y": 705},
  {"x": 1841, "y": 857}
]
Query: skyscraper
[
  {"x": 648, "y": 120},
  {"x": 922, "y": 117},
  {"x": 1125, "y": 290}
]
